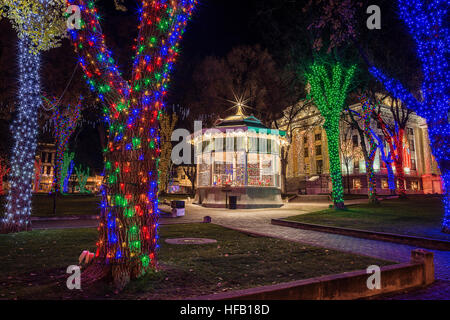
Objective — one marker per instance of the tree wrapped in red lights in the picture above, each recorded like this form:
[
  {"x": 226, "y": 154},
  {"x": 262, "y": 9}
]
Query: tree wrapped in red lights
[
  {"x": 65, "y": 121},
  {"x": 37, "y": 174},
  {"x": 394, "y": 134},
  {"x": 127, "y": 242},
  {"x": 4, "y": 170}
]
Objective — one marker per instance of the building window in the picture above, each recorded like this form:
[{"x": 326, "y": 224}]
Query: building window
[
  {"x": 318, "y": 150},
  {"x": 306, "y": 153},
  {"x": 384, "y": 184},
  {"x": 411, "y": 145},
  {"x": 413, "y": 164},
  {"x": 48, "y": 170},
  {"x": 355, "y": 141},
  {"x": 410, "y": 131},
  {"x": 356, "y": 164},
  {"x": 319, "y": 165},
  {"x": 415, "y": 185},
  {"x": 356, "y": 183},
  {"x": 305, "y": 139},
  {"x": 318, "y": 137}
]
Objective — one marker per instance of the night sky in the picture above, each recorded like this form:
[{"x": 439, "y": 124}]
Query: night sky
[{"x": 216, "y": 27}]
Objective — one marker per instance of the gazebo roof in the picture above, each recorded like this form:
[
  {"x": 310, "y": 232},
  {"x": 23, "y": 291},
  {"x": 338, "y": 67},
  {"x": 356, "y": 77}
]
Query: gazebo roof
[{"x": 244, "y": 122}]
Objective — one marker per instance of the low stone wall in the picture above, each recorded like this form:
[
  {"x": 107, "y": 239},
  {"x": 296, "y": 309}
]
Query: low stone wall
[{"x": 417, "y": 273}]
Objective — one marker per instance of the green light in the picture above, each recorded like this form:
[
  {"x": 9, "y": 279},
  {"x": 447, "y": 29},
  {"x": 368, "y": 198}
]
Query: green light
[
  {"x": 145, "y": 261},
  {"x": 329, "y": 91},
  {"x": 129, "y": 212}
]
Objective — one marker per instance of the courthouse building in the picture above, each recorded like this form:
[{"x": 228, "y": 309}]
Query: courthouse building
[{"x": 308, "y": 160}]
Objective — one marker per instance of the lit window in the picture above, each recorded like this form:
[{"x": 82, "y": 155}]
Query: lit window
[
  {"x": 318, "y": 150},
  {"x": 356, "y": 184}
]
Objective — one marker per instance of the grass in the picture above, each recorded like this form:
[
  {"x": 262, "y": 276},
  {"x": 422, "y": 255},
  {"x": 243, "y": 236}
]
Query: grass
[
  {"x": 72, "y": 204},
  {"x": 67, "y": 205},
  {"x": 417, "y": 216},
  {"x": 33, "y": 264}
]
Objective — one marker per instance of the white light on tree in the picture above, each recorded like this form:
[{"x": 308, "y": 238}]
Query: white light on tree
[{"x": 18, "y": 208}]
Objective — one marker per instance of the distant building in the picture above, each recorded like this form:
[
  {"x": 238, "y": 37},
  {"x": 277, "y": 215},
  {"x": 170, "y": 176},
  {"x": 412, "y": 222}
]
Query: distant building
[
  {"x": 46, "y": 156},
  {"x": 45, "y": 161},
  {"x": 308, "y": 162},
  {"x": 179, "y": 181}
]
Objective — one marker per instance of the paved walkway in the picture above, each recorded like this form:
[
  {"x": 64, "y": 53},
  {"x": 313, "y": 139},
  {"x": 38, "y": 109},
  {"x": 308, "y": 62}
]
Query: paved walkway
[{"x": 258, "y": 221}]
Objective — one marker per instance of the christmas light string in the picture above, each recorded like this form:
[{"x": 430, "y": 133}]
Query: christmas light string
[
  {"x": 64, "y": 120},
  {"x": 427, "y": 24},
  {"x": 129, "y": 210},
  {"x": 329, "y": 91}
]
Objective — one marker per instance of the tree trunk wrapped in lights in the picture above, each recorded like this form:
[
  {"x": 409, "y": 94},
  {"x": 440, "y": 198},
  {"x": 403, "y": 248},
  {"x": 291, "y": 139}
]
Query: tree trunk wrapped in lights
[
  {"x": 167, "y": 124},
  {"x": 82, "y": 176},
  {"x": 40, "y": 25},
  {"x": 65, "y": 121},
  {"x": 329, "y": 91},
  {"x": 127, "y": 242},
  {"x": 25, "y": 127},
  {"x": 367, "y": 110},
  {"x": 427, "y": 23},
  {"x": 65, "y": 171},
  {"x": 4, "y": 170}
]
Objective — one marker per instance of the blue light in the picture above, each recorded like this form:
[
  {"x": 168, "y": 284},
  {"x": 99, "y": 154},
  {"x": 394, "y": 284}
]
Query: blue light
[{"x": 426, "y": 22}]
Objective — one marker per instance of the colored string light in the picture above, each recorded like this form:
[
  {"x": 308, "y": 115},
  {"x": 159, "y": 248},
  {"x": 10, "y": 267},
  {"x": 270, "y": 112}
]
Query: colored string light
[
  {"x": 329, "y": 91},
  {"x": 129, "y": 209},
  {"x": 367, "y": 110},
  {"x": 428, "y": 25},
  {"x": 65, "y": 121}
]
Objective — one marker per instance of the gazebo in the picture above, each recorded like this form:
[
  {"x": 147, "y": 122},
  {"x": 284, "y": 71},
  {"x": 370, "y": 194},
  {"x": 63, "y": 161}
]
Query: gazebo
[{"x": 238, "y": 163}]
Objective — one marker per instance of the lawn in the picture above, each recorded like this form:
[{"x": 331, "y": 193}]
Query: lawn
[
  {"x": 67, "y": 205},
  {"x": 33, "y": 264},
  {"x": 417, "y": 216},
  {"x": 72, "y": 204}
]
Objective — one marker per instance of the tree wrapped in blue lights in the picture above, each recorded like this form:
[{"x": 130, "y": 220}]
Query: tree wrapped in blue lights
[
  {"x": 127, "y": 242},
  {"x": 65, "y": 171},
  {"x": 427, "y": 23}
]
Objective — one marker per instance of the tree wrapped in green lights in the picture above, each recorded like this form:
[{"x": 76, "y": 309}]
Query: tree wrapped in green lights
[
  {"x": 329, "y": 87},
  {"x": 82, "y": 176}
]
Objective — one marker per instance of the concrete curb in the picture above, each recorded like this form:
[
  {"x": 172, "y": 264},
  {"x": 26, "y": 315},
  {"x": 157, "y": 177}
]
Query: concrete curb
[
  {"x": 372, "y": 235},
  {"x": 65, "y": 218},
  {"x": 417, "y": 273}
]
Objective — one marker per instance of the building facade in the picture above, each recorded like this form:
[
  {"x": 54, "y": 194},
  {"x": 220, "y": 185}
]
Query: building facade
[{"x": 308, "y": 159}]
